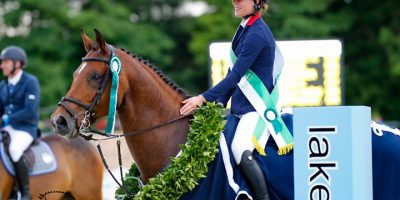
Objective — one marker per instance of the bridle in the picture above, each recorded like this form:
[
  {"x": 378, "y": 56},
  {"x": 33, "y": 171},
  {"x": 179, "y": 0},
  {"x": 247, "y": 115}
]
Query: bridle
[{"x": 89, "y": 108}]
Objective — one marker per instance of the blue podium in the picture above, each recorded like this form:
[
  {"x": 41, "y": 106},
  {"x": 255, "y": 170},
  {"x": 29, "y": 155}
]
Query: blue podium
[{"x": 332, "y": 156}]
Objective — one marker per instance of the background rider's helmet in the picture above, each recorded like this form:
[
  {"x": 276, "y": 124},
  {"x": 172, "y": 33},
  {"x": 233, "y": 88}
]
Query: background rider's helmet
[{"x": 15, "y": 53}]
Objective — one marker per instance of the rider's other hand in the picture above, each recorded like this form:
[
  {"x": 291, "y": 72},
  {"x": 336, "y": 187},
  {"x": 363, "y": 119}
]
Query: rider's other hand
[
  {"x": 190, "y": 105},
  {"x": 4, "y": 120}
]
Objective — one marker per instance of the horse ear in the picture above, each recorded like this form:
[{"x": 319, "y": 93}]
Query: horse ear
[
  {"x": 87, "y": 42},
  {"x": 100, "y": 41}
]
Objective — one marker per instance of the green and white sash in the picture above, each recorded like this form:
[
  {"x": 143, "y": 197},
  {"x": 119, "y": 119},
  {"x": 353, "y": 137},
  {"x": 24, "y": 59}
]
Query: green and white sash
[{"x": 267, "y": 106}]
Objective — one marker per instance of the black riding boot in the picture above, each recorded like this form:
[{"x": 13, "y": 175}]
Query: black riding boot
[
  {"x": 254, "y": 175},
  {"x": 22, "y": 175}
]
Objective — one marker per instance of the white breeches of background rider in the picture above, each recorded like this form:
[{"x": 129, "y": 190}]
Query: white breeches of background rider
[
  {"x": 20, "y": 141},
  {"x": 242, "y": 140}
]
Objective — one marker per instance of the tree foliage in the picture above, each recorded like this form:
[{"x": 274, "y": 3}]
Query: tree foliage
[
  {"x": 178, "y": 44},
  {"x": 53, "y": 42}
]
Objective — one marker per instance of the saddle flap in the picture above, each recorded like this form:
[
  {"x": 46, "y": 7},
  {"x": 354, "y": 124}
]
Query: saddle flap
[{"x": 39, "y": 157}]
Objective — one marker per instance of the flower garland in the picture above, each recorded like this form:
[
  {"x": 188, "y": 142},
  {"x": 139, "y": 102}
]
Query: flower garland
[{"x": 185, "y": 171}]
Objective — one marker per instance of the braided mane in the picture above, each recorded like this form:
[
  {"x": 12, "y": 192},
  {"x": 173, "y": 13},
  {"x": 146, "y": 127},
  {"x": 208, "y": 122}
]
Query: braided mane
[{"x": 165, "y": 78}]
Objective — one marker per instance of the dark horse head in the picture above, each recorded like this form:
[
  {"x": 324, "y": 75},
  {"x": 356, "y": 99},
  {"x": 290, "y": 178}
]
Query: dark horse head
[{"x": 146, "y": 98}]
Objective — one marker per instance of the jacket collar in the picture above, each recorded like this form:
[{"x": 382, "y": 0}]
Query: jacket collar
[
  {"x": 14, "y": 80},
  {"x": 253, "y": 19}
]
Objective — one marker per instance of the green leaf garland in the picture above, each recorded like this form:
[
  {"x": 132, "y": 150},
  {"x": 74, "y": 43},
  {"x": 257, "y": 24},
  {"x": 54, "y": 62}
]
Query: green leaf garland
[{"x": 186, "y": 170}]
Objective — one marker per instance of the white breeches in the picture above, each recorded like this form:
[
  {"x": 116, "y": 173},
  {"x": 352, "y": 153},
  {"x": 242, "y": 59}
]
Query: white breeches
[
  {"x": 242, "y": 140},
  {"x": 20, "y": 141}
]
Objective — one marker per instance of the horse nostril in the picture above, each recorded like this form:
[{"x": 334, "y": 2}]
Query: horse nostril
[{"x": 62, "y": 124}]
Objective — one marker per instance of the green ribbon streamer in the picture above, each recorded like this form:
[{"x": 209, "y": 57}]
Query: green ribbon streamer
[{"x": 115, "y": 67}]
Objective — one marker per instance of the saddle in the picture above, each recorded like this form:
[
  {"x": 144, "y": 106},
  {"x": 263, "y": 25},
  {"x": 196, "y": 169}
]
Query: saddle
[{"x": 39, "y": 156}]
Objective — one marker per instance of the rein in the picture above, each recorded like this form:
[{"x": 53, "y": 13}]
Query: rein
[{"x": 113, "y": 136}]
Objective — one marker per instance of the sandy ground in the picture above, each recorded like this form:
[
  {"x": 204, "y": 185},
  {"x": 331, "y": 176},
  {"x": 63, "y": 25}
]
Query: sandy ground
[{"x": 110, "y": 152}]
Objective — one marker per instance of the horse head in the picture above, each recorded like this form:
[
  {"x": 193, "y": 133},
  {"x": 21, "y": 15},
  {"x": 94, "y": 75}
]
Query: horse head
[{"x": 87, "y": 98}]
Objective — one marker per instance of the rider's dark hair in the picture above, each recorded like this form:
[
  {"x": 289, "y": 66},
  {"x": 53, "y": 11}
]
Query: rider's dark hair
[{"x": 264, "y": 4}]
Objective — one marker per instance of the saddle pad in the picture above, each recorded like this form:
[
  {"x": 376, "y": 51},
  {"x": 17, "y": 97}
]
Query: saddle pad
[{"x": 44, "y": 161}]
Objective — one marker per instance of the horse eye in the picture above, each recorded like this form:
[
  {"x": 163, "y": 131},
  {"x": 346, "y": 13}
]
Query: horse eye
[{"x": 95, "y": 77}]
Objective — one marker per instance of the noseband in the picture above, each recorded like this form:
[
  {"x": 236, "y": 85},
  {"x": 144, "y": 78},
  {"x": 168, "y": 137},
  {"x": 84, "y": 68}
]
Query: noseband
[{"x": 89, "y": 108}]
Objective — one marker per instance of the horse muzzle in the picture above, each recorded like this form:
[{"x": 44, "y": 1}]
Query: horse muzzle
[{"x": 64, "y": 125}]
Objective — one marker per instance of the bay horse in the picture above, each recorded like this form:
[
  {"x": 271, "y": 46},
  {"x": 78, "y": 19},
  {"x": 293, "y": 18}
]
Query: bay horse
[
  {"x": 146, "y": 98},
  {"x": 79, "y": 172}
]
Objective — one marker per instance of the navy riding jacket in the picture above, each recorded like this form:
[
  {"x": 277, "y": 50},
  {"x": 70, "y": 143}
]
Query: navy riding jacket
[
  {"x": 254, "y": 47},
  {"x": 22, "y": 104}
]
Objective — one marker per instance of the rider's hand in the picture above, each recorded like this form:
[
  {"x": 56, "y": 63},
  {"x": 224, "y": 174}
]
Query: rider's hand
[
  {"x": 3, "y": 120},
  {"x": 190, "y": 105}
]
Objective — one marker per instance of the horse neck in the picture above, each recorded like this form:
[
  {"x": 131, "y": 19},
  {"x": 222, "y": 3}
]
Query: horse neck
[{"x": 150, "y": 101}]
